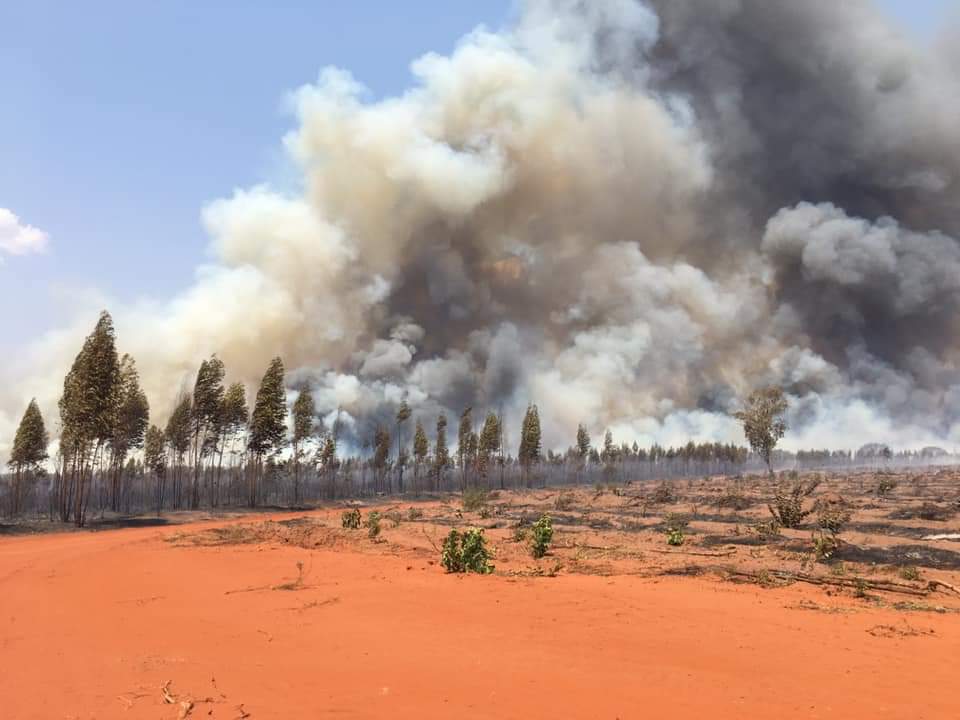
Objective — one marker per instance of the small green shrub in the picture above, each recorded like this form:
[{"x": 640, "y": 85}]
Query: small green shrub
[
  {"x": 766, "y": 531},
  {"x": 372, "y": 524},
  {"x": 541, "y": 535},
  {"x": 909, "y": 572},
  {"x": 675, "y": 522},
  {"x": 789, "y": 510},
  {"x": 675, "y": 537},
  {"x": 474, "y": 499},
  {"x": 885, "y": 486},
  {"x": 414, "y": 514},
  {"x": 351, "y": 519},
  {"x": 466, "y": 552}
]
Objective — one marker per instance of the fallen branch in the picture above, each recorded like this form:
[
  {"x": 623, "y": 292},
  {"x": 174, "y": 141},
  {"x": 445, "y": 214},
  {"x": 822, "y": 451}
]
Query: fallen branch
[
  {"x": 725, "y": 553},
  {"x": 852, "y": 583},
  {"x": 934, "y": 584}
]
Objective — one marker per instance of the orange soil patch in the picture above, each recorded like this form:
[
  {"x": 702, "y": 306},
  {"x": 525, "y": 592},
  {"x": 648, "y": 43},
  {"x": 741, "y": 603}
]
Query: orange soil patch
[{"x": 128, "y": 625}]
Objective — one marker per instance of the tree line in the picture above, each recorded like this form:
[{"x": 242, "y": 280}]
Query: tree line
[{"x": 215, "y": 450}]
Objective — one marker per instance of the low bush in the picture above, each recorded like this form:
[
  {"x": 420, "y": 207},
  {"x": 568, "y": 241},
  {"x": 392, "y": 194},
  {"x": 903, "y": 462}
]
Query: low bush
[
  {"x": 909, "y": 572},
  {"x": 675, "y": 537},
  {"x": 351, "y": 519},
  {"x": 675, "y": 522},
  {"x": 372, "y": 524},
  {"x": 474, "y": 499},
  {"x": 466, "y": 552},
  {"x": 787, "y": 508},
  {"x": 885, "y": 486},
  {"x": 414, "y": 514},
  {"x": 541, "y": 535}
]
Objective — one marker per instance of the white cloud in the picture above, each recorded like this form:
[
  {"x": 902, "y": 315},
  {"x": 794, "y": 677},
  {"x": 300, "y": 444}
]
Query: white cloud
[{"x": 17, "y": 238}]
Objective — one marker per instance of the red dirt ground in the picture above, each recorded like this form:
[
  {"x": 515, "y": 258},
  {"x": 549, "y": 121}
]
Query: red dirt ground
[{"x": 94, "y": 625}]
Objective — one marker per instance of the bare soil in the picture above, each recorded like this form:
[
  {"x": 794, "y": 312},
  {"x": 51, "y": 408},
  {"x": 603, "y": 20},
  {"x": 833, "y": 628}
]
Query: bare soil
[{"x": 288, "y": 615}]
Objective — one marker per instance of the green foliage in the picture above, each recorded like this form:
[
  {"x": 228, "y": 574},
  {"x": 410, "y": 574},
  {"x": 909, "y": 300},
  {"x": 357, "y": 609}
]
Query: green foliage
[
  {"x": 267, "y": 425},
  {"x": 673, "y": 522},
  {"x": 885, "y": 486},
  {"x": 541, "y": 535},
  {"x": 762, "y": 420},
  {"x": 910, "y": 572},
  {"x": 351, "y": 519},
  {"x": 466, "y": 552},
  {"x": 675, "y": 537},
  {"x": 177, "y": 432},
  {"x": 372, "y": 524},
  {"x": 154, "y": 451},
  {"x": 421, "y": 446},
  {"x": 788, "y": 502},
  {"x": 30, "y": 442},
  {"x": 583, "y": 444},
  {"x": 304, "y": 412},
  {"x": 529, "y": 453},
  {"x": 441, "y": 453}
]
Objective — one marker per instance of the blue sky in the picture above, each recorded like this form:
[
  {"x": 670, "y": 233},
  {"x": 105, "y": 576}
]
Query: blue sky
[{"x": 121, "y": 119}]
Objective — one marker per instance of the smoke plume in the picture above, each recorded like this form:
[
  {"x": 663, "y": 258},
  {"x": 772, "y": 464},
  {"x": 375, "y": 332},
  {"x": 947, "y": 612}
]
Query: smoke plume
[{"x": 629, "y": 213}]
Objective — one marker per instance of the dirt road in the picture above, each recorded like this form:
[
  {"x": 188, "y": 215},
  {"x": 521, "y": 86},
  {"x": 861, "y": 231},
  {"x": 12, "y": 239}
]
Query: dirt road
[{"x": 95, "y": 625}]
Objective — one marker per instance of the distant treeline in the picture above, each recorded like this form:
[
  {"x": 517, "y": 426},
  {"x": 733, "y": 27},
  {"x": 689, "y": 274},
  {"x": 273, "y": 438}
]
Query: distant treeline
[{"x": 214, "y": 451}]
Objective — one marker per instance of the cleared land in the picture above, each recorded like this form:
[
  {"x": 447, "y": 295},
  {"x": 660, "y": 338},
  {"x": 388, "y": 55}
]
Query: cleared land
[{"x": 290, "y": 615}]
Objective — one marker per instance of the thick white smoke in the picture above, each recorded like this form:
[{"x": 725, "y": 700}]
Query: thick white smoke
[{"x": 579, "y": 211}]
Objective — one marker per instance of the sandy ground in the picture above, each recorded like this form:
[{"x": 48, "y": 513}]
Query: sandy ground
[{"x": 161, "y": 623}]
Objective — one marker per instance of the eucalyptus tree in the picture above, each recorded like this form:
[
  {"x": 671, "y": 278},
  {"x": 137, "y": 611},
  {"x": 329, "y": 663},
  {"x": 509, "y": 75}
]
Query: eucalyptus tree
[
  {"x": 763, "y": 421},
  {"x": 208, "y": 392},
  {"x": 403, "y": 414},
  {"x": 132, "y": 416},
  {"x": 489, "y": 444},
  {"x": 441, "y": 454},
  {"x": 155, "y": 461},
  {"x": 529, "y": 454},
  {"x": 233, "y": 418},
  {"x": 421, "y": 449},
  {"x": 304, "y": 411},
  {"x": 87, "y": 416},
  {"x": 177, "y": 435},
  {"x": 267, "y": 424},
  {"x": 28, "y": 453}
]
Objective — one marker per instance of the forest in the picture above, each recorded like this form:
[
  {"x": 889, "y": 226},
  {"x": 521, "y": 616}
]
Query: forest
[{"x": 215, "y": 451}]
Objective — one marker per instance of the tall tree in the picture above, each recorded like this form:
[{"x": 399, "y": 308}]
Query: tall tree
[
  {"x": 267, "y": 424},
  {"x": 421, "y": 448},
  {"x": 233, "y": 418},
  {"x": 763, "y": 422},
  {"x": 403, "y": 414},
  {"x": 530, "y": 450},
  {"x": 441, "y": 454},
  {"x": 29, "y": 451},
  {"x": 177, "y": 434},
  {"x": 489, "y": 444},
  {"x": 208, "y": 394},
  {"x": 583, "y": 447},
  {"x": 129, "y": 425},
  {"x": 381, "y": 455},
  {"x": 155, "y": 461},
  {"x": 87, "y": 414},
  {"x": 463, "y": 444},
  {"x": 304, "y": 411}
]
